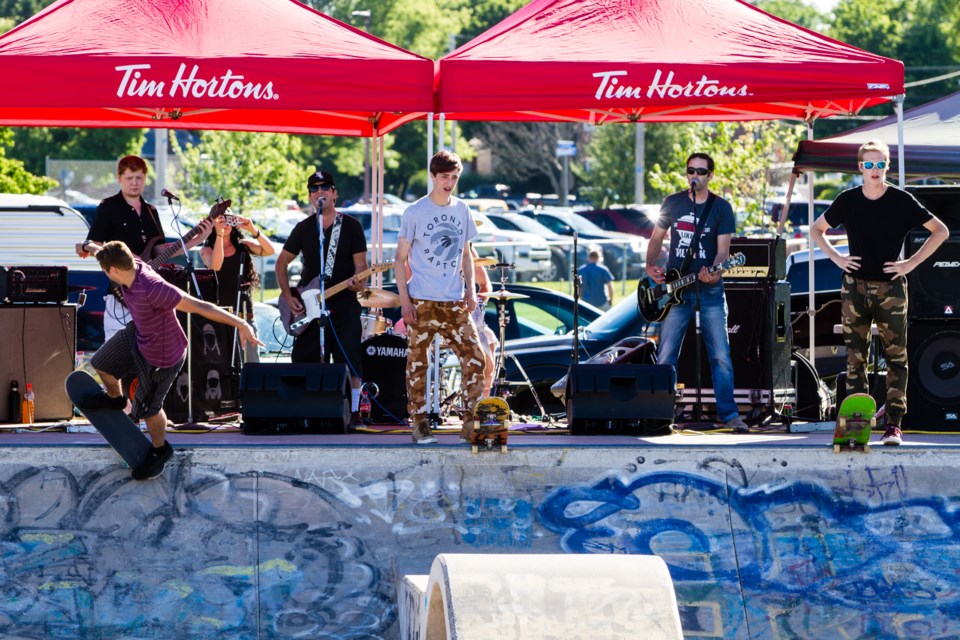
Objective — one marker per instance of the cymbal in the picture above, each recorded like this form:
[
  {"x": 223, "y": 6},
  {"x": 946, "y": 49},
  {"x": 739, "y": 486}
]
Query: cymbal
[
  {"x": 378, "y": 298},
  {"x": 502, "y": 294},
  {"x": 484, "y": 262}
]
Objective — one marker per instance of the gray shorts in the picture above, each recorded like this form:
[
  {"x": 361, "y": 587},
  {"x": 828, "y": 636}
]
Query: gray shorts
[{"x": 121, "y": 358}]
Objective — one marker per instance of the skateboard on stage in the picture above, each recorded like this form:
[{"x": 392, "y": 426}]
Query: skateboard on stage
[
  {"x": 491, "y": 421},
  {"x": 114, "y": 425},
  {"x": 855, "y": 420}
]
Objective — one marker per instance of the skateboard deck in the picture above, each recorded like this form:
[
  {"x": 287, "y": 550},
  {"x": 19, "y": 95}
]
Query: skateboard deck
[
  {"x": 114, "y": 425},
  {"x": 855, "y": 420},
  {"x": 491, "y": 421}
]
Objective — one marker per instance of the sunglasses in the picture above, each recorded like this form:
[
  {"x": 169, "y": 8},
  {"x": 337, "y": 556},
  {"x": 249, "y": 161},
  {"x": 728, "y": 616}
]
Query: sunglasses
[
  {"x": 700, "y": 171},
  {"x": 870, "y": 165},
  {"x": 319, "y": 187}
]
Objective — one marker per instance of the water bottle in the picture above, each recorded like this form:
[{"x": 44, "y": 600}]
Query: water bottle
[
  {"x": 13, "y": 402},
  {"x": 29, "y": 407}
]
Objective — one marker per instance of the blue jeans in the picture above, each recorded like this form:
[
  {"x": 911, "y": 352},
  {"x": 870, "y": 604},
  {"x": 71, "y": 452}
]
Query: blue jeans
[{"x": 713, "y": 324}]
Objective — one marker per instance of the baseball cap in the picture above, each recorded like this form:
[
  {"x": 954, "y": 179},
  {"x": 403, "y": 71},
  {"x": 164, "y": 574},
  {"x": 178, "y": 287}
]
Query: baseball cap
[{"x": 320, "y": 177}]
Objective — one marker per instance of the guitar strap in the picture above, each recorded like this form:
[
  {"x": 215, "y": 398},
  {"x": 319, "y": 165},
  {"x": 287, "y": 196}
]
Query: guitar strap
[
  {"x": 332, "y": 248},
  {"x": 695, "y": 242}
]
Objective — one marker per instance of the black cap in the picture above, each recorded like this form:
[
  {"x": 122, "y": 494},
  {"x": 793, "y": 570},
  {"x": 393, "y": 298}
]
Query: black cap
[{"x": 321, "y": 177}]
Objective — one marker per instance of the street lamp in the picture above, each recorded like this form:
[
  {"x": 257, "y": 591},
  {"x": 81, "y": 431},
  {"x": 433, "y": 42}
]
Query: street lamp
[{"x": 366, "y": 141}]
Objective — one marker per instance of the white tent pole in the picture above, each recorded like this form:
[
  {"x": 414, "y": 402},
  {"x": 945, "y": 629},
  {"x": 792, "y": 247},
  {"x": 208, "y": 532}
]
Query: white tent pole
[
  {"x": 442, "y": 127},
  {"x": 429, "y": 149},
  {"x": 376, "y": 201},
  {"x": 811, "y": 262},
  {"x": 902, "y": 165}
]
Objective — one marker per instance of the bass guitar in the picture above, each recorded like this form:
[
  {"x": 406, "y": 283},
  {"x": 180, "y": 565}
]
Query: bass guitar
[
  {"x": 655, "y": 300},
  {"x": 174, "y": 248},
  {"x": 309, "y": 295}
]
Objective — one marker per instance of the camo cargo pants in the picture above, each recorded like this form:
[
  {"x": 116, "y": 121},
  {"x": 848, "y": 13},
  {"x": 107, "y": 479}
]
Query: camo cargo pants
[
  {"x": 452, "y": 321},
  {"x": 885, "y": 305}
]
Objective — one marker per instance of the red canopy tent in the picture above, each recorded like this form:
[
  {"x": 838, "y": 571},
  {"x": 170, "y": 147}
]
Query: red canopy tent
[
  {"x": 604, "y": 61},
  {"x": 243, "y": 65}
]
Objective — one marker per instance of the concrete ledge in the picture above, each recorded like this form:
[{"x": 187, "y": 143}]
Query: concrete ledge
[{"x": 588, "y": 597}]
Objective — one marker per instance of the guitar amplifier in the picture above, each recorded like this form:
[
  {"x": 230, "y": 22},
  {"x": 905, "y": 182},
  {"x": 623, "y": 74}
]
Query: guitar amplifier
[
  {"x": 36, "y": 285},
  {"x": 766, "y": 259}
]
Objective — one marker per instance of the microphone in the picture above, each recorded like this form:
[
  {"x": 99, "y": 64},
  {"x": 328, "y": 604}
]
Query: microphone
[
  {"x": 169, "y": 196},
  {"x": 321, "y": 203}
]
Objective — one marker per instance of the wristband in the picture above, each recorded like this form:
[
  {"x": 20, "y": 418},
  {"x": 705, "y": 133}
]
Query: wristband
[{"x": 257, "y": 237}]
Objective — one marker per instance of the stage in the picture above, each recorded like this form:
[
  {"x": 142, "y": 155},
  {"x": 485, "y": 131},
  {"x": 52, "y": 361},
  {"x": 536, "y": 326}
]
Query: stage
[{"x": 766, "y": 535}]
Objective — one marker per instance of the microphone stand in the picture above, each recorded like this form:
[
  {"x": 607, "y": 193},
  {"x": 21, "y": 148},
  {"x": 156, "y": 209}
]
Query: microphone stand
[
  {"x": 238, "y": 307},
  {"x": 323, "y": 281},
  {"x": 575, "y": 355},
  {"x": 695, "y": 253}
]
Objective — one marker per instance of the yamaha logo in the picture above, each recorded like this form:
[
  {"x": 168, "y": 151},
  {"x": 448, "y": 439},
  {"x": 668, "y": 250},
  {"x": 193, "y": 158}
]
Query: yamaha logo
[
  {"x": 371, "y": 350},
  {"x": 389, "y": 352}
]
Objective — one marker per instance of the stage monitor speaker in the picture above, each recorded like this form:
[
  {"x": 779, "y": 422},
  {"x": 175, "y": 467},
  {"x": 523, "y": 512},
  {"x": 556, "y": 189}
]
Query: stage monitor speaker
[
  {"x": 942, "y": 201},
  {"x": 933, "y": 384},
  {"x": 215, "y": 373},
  {"x": 294, "y": 398},
  {"x": 758, "y": 327},
  {"x": 934, "y": 286},
  {"x": 766, "y": 259},
  {"x": 39, "y": 346},
  {"x": 628, "y": 399}
]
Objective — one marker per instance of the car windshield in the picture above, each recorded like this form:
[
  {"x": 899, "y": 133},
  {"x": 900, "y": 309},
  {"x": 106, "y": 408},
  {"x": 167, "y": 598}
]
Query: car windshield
[
  {"x": 582, "y": 225},
  {"x": 530, "y": 226}
]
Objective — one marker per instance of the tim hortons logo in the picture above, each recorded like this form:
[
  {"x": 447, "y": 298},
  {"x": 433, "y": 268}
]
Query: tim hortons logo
[
  {"x": 663, "y": 86},
  {"x": 136, "y": 83}
]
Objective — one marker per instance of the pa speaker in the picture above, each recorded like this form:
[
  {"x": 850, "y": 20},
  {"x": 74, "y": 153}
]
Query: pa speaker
[
  {"x": 630, "y": 399},
  {"x": 942, "y": 201},
  {"x": 757, "y": 325},
  {"x": 39, "y": 346},
  {"x": 934, "y": 286},
  {"x": 933, "y": 383},
  {"x": 294, "y": 398}
]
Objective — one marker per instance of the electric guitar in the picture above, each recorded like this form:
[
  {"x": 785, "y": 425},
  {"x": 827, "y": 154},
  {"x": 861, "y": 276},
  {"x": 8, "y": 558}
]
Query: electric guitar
[
  {"x": 655, "y": 300},
  {"x": 309, "y": 295},
  {"x": 173, "y": 248}
]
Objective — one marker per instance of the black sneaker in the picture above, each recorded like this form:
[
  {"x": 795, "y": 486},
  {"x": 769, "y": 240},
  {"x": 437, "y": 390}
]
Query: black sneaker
[
  {"x": 100, "y": 400},
  {"x": 152, "y": 466}
]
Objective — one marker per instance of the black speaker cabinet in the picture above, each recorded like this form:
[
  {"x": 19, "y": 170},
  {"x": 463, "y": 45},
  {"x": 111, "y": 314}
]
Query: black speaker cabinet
[
  {"x": 934, "y": 287},
  {"x": 630, "y": 399},
  {"x": 39, "y": 346},
  {"x": 214, "y": 369},
  {"x": 933, "y": 384},
  {"x": 942, "y": 201},
  {"x": 294, "y": 398},
  {"x": 766, "y": 259},
  {"x": 758, "y": 327}
]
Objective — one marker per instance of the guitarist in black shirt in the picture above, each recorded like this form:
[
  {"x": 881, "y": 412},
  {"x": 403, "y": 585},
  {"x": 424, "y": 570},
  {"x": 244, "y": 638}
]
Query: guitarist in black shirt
[
  {"x": 126, "y": 216},
  {"x": 699, "y": 217}
]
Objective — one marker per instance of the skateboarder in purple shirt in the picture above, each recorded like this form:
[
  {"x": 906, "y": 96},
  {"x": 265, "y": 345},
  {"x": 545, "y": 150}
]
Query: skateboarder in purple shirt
[{"x": 152, "y": 347}]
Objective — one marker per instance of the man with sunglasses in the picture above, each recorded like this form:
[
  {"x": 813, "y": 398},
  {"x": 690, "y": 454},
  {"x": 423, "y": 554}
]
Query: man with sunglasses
[
  {"x": 700, "y": 225},
  {"x": 344, "y": 255},
  {"x": 877, "y": 218}
]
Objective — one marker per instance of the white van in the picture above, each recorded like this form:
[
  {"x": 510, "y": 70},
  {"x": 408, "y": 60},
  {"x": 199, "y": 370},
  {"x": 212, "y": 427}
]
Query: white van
[{"x": 41, "y": 231}]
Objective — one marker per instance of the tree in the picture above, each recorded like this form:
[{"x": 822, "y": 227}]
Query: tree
[
  {"x": 526, "y": 149},
  {"x": 14, "y": 177},
  {"x": 254, "y": 170},
  {"x": 743, "y": 153},
  {"x": 801, "y": 13},
  {"x": 612, "y": 157}
]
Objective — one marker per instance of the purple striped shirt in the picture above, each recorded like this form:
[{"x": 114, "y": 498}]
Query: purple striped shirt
[{"x": 151, "y": 301}]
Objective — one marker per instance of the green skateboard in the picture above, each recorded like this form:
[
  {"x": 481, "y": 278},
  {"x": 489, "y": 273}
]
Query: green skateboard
[{"x": 855, "y": 420}]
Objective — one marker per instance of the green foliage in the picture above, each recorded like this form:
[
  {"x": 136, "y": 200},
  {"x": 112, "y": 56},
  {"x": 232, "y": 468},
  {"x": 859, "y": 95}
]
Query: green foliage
[
  {"x": 36, "y": 144},
  {"x": 801, "y": 13},
  {"x": 827, "y": 188},
  {"x": 254, "y": 170},
  {"x": 742, "y": 152},
  {"x": 14, "y": 177}
]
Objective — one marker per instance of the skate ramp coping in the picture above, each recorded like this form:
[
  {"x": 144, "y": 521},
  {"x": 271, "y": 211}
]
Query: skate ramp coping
[{"x": 585, "y": 596}]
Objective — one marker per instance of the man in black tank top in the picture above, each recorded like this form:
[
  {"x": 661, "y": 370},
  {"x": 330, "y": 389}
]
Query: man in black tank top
[{"x": 877, "y": 218}]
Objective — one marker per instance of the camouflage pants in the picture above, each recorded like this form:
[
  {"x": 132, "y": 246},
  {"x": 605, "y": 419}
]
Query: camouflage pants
[
  {"x": 885, "y": 305},
  {"x": 452, "y": 322}
]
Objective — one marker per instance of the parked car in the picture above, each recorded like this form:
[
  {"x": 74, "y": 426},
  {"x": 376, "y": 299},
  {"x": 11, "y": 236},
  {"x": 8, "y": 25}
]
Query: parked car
[
  {"x": 799, "y": 215},
  {"x": 622, "y": 252},
  {"x": 528, "y": 252},
  {"x": 486, "y": 205},
  {"x": 547, "y": 358},
  {"x": 638, "y": 222},
  {"x": 561, "y": 247}
]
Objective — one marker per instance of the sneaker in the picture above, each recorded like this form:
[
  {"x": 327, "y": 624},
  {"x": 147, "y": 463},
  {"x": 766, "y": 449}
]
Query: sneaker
[
  {"x": 422, "y": 434},
  {"x": 738, "y": 425},
  {"x": 356, "y": 421},
  {"x": 100, "y": 400},
  {"x": 152, "y": 466},
  {"x": 892, "y": 436}
]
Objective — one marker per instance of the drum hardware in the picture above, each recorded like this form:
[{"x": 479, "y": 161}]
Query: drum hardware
[
  {"x": 501, "y": 387},
  {"x": 374, "y": 324}
]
